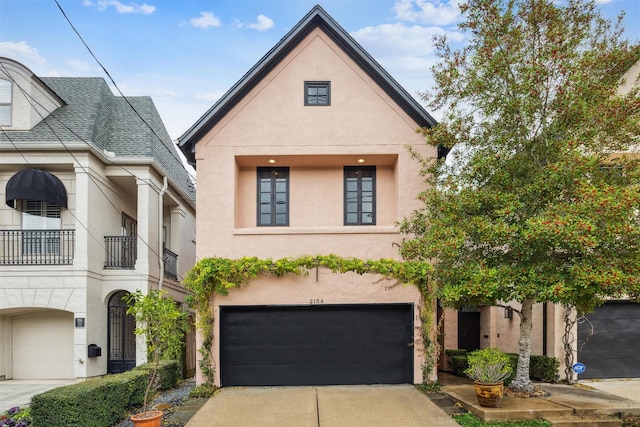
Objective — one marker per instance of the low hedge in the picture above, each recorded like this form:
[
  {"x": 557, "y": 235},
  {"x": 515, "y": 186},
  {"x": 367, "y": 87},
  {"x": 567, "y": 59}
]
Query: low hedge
[
  {"x": 93, "y": 403},
  {"x": 99, "y": 402},
  {"x": 542, "y": 368}
]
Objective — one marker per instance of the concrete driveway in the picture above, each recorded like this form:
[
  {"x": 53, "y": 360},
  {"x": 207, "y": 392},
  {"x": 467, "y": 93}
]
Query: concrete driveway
[
  {"x": 326, "y": 406},
  {"x": 19, "y": 392},
  {"x": 628, "y": 388}
]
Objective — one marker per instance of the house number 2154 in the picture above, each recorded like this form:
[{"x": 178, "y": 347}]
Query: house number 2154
[{"x": 313, "y": 301}]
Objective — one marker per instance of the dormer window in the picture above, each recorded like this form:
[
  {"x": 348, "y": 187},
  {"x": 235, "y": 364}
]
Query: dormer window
[
  {"x": 317, "y": 93},
  {"x": 5, "y": 102}
]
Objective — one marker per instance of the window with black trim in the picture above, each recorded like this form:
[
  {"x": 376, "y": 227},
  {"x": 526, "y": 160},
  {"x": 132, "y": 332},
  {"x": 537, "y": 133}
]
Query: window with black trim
[
  {"x": 273, "y": 197},
  {"x": 317, "y": 93},
  {"x": 5, "y": 102},
  {"x": 359, "y": 195}
]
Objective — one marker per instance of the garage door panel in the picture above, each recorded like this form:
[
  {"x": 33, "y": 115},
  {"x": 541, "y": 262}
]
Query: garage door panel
[
  {"x": 609, "y": 342},
  {"x": 42, "y": 345},
  {"x": 314, "y": 345}
]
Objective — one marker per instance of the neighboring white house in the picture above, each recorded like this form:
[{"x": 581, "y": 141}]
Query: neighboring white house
[{"x": 95, "y": 203}]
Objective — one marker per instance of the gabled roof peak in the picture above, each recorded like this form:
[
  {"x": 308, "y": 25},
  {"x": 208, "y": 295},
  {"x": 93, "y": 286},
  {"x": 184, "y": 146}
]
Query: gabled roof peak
[{"x": 316, "y": 18}]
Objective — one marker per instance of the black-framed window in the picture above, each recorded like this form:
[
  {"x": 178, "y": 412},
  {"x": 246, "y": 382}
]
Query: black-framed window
[
  {"x": 359, "y": 195},
  {"x": 273, "y": 197},
  {"x": 317, "y": 93}
]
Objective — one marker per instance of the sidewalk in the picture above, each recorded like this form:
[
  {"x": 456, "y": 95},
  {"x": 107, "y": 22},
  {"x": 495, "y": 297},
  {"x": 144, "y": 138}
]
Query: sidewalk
[{"x": 564, "y": 405}]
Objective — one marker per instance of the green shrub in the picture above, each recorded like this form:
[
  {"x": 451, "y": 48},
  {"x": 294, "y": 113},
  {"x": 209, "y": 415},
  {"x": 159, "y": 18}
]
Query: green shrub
[
  {"x": 137, "y": 380},
  {"x": 451, "y": 352},
  {"x": 203, "y": 390},
  {"x": 99, "y": 402},
  {"x": 459, "y": 364},
  {"x": 513, "y": 364},
  {"x": 430, "y": 387},
  {"x": 489, "y": 365},
  {"x": 544, "y": 368},
  {"x": 168, "y": 373},
  {"x": 93, "y": 403}
]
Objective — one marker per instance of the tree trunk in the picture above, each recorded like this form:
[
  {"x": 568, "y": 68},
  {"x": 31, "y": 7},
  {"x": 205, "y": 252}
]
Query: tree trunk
[{"x": 522, "y": 382}]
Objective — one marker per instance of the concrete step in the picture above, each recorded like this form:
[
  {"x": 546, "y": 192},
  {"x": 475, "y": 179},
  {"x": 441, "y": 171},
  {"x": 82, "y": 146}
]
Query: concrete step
[{"x": 593, "y": 420}]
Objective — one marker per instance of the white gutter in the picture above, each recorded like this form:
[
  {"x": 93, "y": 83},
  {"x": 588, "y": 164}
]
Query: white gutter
[{"x": 160, "y": 222}]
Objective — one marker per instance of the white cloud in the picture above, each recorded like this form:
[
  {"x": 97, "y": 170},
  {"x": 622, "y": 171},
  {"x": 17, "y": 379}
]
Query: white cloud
[
  {"x": 399, "y": 40},
  {"x": 209, "y": 96},
  {"x": 78, "y": 65},
  {"x": 21, "y": 52},
  {"x": 206, "y": 20},
  {"x": 263, "y": 23},
  {"x": 435, "y": 12},
  {"x": 602, "y": 1},
  {"x": 122, "y": 8},
  {"x": 406, "y": 52}
]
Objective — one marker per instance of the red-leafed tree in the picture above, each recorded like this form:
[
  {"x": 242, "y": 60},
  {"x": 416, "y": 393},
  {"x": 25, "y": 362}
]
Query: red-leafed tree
[{"x": 535, "y": 203}]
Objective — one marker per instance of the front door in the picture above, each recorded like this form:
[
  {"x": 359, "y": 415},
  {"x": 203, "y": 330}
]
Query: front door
[
  {"x": 469, "y": 328},
  {"x": 122, "y": 339}
]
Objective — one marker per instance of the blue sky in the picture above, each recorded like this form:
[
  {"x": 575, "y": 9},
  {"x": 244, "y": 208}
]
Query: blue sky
[{"x": 186, "y": 53}]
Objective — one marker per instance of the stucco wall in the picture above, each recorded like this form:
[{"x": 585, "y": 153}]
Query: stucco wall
[
  {"x": 316, "y": 143},
  {"x": 272, "y": 123}
]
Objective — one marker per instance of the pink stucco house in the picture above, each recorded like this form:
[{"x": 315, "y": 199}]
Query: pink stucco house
[{"x": 306, "y": 155}]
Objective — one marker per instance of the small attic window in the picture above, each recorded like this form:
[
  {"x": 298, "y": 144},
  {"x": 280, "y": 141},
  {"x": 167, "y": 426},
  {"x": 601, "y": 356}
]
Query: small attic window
[
  {"x": 317, "y": 93},
  {"x": 5, "y": 102}
]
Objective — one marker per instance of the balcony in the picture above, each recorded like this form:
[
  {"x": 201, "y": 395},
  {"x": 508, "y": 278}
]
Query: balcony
[
  {"x": 170, "y": 264},
  {"x": 122, "y": 252},
  {"x": 37, "y": 247}
]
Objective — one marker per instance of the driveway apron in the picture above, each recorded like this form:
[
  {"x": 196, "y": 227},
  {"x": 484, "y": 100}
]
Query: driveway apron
[
  {"x": 327, "y": 406},
  {"x": 19, "y": 392}
]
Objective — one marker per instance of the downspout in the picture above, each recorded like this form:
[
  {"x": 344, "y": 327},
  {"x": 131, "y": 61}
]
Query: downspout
[{"x": 160, "y": 222}]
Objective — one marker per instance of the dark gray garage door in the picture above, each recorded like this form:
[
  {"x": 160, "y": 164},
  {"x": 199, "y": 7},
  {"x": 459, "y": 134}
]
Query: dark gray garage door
[
  {"x": 317, "y": 345},
  {"x": 614, "y": 349}
]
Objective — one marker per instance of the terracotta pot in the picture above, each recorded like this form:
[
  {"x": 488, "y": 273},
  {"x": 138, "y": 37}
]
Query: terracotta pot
[
  {"x": 489, "y": 394},
  {"x": 147, "y": 419}
]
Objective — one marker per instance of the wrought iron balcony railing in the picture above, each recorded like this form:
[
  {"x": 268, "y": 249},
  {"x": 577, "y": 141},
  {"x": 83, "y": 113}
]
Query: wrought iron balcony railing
[
  {"x": 122, "y": 252},
  {"x": 170, "y": 264},
  {"x": 37, "y": 247}
]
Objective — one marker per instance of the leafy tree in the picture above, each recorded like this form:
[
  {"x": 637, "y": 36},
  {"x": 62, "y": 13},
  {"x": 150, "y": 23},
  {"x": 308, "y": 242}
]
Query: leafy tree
[
  {"x": 163, "y": 325},
  {"x": 533, "y": 205}
]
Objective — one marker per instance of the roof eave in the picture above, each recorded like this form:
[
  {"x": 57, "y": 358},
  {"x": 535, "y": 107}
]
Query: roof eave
[{"x": 317, "y": 17}]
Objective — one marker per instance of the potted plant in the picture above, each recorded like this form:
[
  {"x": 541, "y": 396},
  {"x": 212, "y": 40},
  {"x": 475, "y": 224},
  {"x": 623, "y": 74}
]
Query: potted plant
[
  {"x": 488, "y": 368},
  {"x": 162, "y": 324}
]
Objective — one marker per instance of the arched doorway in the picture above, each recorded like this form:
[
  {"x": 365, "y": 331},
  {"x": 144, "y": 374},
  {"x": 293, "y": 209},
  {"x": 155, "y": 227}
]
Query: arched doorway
[{"x": 122, "y": 339}]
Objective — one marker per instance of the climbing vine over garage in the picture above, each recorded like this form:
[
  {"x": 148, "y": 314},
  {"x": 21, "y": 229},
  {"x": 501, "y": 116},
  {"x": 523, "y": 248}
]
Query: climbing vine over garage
[{"x": 217, "y": 275}]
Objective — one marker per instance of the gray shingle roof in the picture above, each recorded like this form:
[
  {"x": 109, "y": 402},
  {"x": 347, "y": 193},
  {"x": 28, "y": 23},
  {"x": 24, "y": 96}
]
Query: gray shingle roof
[{"x": 93, "y": 115}]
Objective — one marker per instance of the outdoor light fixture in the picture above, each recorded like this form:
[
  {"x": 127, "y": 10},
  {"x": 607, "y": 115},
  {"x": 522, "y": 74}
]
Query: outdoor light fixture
[{"x": 508, "y": 313}]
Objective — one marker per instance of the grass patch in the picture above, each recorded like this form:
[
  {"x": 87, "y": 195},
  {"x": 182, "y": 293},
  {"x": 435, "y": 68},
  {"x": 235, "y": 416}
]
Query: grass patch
[
  {"x": 470, "y": 420},
  {"x": 429, "y": 387},
  {"x": 631, "y": 421},
  {"x": 203, "y": 390}
]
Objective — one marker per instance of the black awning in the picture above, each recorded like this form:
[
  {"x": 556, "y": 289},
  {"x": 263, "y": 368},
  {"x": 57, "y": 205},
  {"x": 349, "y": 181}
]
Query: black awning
[{"x": 36, "y": 184}]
